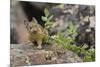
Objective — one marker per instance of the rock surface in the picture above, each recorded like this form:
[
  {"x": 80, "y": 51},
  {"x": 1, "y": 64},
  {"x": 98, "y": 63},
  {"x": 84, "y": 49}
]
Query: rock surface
[{"x": 23, "y": 55}]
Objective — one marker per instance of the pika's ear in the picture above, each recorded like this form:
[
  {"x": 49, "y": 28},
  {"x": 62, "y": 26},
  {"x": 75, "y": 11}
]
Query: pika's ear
[{"x": 34, "y": 20}]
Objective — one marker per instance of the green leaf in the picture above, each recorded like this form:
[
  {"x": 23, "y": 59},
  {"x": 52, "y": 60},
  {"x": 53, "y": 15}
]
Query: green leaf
[
  {"x": 44, "y": 18},
  {"x": 50, "y": 17},
  {"x": 46, "y": 12},
  {"x": 85, "y": 46},
  {"x": 48, "y": 23}
]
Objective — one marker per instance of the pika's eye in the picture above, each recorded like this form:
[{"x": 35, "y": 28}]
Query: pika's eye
[{"x": 30, "y": 27}]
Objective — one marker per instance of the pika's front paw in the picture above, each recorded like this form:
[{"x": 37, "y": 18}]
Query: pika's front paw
[{"x": 39, "y": 47}]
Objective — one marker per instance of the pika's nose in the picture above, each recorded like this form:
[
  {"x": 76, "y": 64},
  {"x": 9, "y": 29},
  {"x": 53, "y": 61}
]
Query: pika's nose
[{"x": 34, "y": 31}]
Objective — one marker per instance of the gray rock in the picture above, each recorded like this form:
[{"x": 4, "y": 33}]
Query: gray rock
[{"x": 29, "y": 56}]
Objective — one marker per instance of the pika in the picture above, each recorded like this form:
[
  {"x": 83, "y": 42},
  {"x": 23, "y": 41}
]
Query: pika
[{"x": 36, "y": 32}]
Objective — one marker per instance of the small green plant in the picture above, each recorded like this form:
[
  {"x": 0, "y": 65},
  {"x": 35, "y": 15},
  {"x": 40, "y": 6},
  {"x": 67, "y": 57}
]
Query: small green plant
[
  {"x": 47, "y": 18},
  {"x": 71, "y": 34},
  {"x": 69, "y": 41},
  {"x": 72, "y": 30}
]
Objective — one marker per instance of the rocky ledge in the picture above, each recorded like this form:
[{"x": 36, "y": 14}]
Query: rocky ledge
[{"x": 25, "y": 54}]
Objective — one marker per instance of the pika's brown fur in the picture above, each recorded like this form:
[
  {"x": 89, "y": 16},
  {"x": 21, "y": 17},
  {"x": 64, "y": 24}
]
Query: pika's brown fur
[{"x": 36, "y": 32}]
